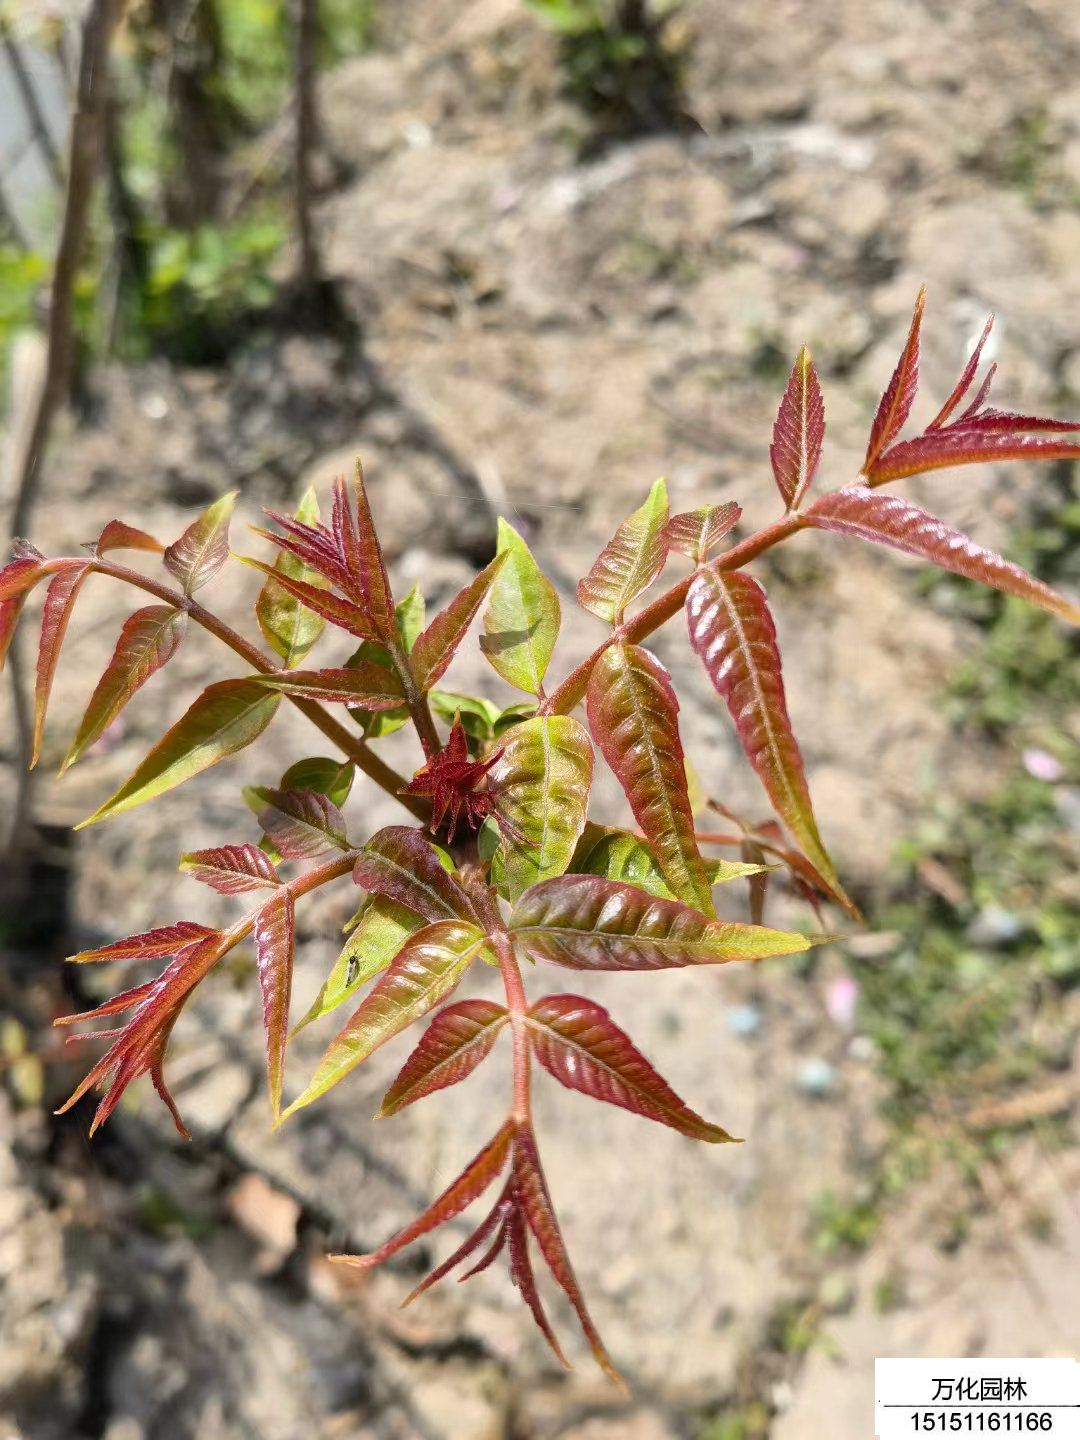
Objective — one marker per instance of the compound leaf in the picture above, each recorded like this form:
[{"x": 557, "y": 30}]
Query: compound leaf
[
  {"x": 630, "y": 561},
  {"x": 451, "y": 1048}
]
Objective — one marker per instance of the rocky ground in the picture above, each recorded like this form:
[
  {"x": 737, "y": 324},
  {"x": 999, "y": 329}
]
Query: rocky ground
[{"x": 541, "y": 338}]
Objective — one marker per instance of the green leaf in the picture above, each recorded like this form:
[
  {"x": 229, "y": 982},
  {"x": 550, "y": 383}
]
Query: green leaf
[
  {"x": 332, "y": 778},
  {"x": 435, "y": 647},
  {"x": 380, "y": 932},
  {"x": 288, "y": 626},
  {"x": 478, "y": 716},
  {"x": 630, "y": 561},
  {"x": 521, "y": 622},
  {"x": 410, "y": 615},
  {"x": 225, "y": 718},
  {"x": 426, "y": 969},
  {"x": 543, "y": 778},
  {"x": 619, "y": 855},
  {"x": 203, "y": 548}
]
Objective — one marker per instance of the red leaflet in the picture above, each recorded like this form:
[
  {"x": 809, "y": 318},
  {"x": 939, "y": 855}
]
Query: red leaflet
[
  {"x": 495, "y": 1220},
  {"x": 359, "y": 544},
  {"x": 148, "y": 640},
  {"x": 151, "y": 944},
  {"x": 799, "y": 432},
  {"x": 10, "y": 610},
  {"x": 60, "y": 600},
  {"x": 275, "y": 933},
  {"x": 696, "y": 532},
  {"x": 342, "y": 613},
  {"x": 577, "y": 1041},
  {"x": 480, "y": 1172},
  {"x": 21, "y": 575},
  {"x": 451, "y": 1048},
  {"x": 302, "y": 824},
  {"x": 365, "y": 685},
  {"x": 232, "y": 869},
  {"x": 435, "y": 646},
  {"x": 892, "y": 520},
  {"x": 895, "y": 405},
  {"x": 399, "y": 863},
  {"x": 732, "y": 631},
  {"x": 963, "y": 385},
  {"x": 119, "y": 536},
  {"x": 314, "y": 547},
  {"x": 970, "y": 443},
  {"x": 630, "y": 561},
  {"x": 516, "y": 1232},
  {"x": 203, "y": 548},
  {"x": 633, "y": 715}
]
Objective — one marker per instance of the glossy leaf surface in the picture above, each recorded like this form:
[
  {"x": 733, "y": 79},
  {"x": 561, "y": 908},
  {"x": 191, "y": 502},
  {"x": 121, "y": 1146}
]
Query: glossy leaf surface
[
  {"x": 60, "y": 601},
  {"x": 895, "y": 404},
  {"x": 288, "y": 626},
  {"x": 696, "y": 533},
  {"x": 435, "y": 647},
  {"x": 231, "y": 869},
  {"x": 275, "y": 939},
  {"x": 451, "y": 1048},
  {"x": 149, "y": 945},
  {"x": 619, "y": 855},
  {"x": 203, "y": 548},
  {"x": 521, "y": 622},
  {"x": 630, "y": 561},
  {"x": 365, "y": 686},
  {"x": 381, "y": 929},
  {"x": 398, "y": 863},
  {"x": 634, "y": 718},
  {"x": 799, "y": 432},
  {"x": 303, "y": 824},
  {"x": 117, "y": 535}
]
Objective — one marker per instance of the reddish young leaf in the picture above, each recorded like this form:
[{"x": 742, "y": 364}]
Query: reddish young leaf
[
  {"x": 435, "y": 646},
  {"x": 892, "y": 520},
  {"x": 967, "y": 376},
  {"x": 531, "y": 1193},
  {"x": 288, "y": 627},
  {"x": 225, "y": 718},
  {"x": 398, "y": 863},
  {"x": 303, "y": 824},
  {"x": 151, "y": 944},
  {"x": 342, "y": 613},
  {"x": 455, "y": 783},
  {"x": 482, "y": 1170},
  {"x": 577, "y": 1041},
  {"x": 494, "y": 1221},
  {"x": 20, "y": 575},
  {"x": 60, "y": 601},
  {"x": 203, "y": 548},
  {"x": 633, "y": 715},
  {"x": 588, "y": 923},
  {"x": 359, "y": 543},
  {"x": 895, "y": 405},
  {"x": 696, "y": 532},
  {"x": 10, "y": 610},
  {"x": 799, "y": 432},
  {"x": 515, "y": 1230},
  {"x": 451, "y": 1048},
  {"x": 232, "y": 869},
  {"x": 120, "y": 536},
  {"x": 630, "y": 561},
  {"x": 148, "y": 640},
  {"x": 365, "y": 685},
  {"x": 275, "y": 938},
  {"x": 968, "y": 444},
  {"x": 732, "y": 631},
  {"x": 425, "y": 970}
]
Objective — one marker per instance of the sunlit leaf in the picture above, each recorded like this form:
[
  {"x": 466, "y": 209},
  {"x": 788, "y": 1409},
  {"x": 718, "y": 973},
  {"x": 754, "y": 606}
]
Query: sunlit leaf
[
  {"x": 231, "y": 869},
  {"x": 577, "y": 1041},
  {"x": 365, "y": 686},
  {"x": 799, "y": 432},
  {"x": 381, "y": 930},
  {"x": 117, "y": 535},
  {"x": 629, "y": 562},
  {"x": 60, "y": 601},
  {"x": 435, "y": 647},
  {"x": 20, "y": 575},
  {"x": 343, "y": 613},
  {"x": 425, "y": 970},
  {"x": 697, "y": 532},
  {"x": 588, "y": 923},
  {"x": 333, "y": 778},
  {"x": 398, "y": 863},
  {"x": 732, "y": 631},
  {"x": 275, "y": 938},
  {"x": 149, "y": 945},
  {"x": 964, "y": 445},
  {"x": 148, "y": 640},
  {"x": 288, "y": 626},
  {"x": 895, "y": 405},
  {"x": 892, "y": 520},
  {"x": 360, "y": 545},
  {"x": 453, "y": 1045},
  {"x": 303, "y": 824},
  {"x": 619, "y": 855},
  {"x": 967, "y": 377},
  {"x": 542, "y": 778},
  {"x": 521, "y": 622},
  {"x": 633, "y": 715},
  {"x": 225, "y": 718},
  {"x": 203, "y": 548}
]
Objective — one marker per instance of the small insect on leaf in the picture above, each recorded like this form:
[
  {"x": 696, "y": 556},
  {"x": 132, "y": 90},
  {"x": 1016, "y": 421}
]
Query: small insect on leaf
[
  {"x": 577, "y": 1041},
  {"x": 697, "y": 532},
  {"x": 732, "y": 631},
  {"x": 521, "y": 622},
  {"x": 629, "y": 562},
  {"x": 381, "y": 929},
  {"x": 225, "y": 718},
  {"x": 303, "y": 824},
  {"x": 434, "y": 649},
  {"x": 634, "y": 718},
  {"x": 425, "y": 970},
  {"x": 117, "y": 535},
  {"x": 453, "y": 1045},
  {"x": 275, "y": 938},
  {"x": 799, "y": 432},
  {"x": 288, "y": 626},
  {"x": 231, "y": 869},
  {"x": 148, "y": 641},
  {"x": 400, "y": 865},
  {"x": 891, "y": 520},
  {"x": 364, "y": 686},
  {"x": 588, "y": 923},
  {"x": 203, "y": 548},
  {"x": 895, "y": 404},
  {"x": 60, "y": 601}
]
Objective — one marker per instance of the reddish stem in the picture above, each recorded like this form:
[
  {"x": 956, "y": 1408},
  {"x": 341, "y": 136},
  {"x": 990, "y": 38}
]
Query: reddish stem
[{"x": 517, "y": 1004}]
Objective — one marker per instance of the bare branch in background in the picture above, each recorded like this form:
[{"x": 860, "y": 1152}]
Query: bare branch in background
[
  {"x": 306, "y": 138},
  {"x": 43, "y": 137}
]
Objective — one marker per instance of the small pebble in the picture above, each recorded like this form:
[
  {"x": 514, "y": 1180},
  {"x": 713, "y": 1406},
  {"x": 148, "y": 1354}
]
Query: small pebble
[
  {"x": 817, "y": 1078},
  {"x": 841, "y": 1000},
  {"x": 743, "y": 1020},
  {"x": 862, "y": 1049},
  {"x": 994, "y": 928}
]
